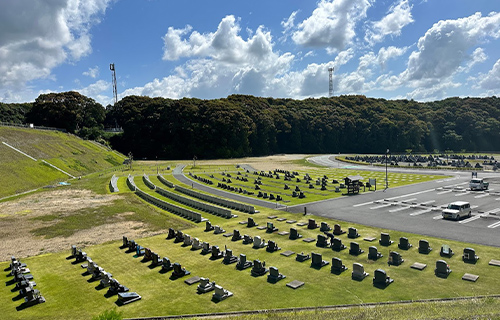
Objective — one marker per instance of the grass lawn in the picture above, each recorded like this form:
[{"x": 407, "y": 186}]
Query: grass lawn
[{"x": 70, "y": 294}]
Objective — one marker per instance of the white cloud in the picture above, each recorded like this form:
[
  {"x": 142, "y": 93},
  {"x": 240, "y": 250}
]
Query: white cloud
[
  {"x": 343, "y": 57},
  {"x": 490, "y": 82},
  {"x": 92, "y": 72},
  {"x": 398, "y": 17},
  {"x": 388, "y": 53},
  {"x": 331, "y": 24},
  {"x": 444, "y": 47},
  {"x": 288, "y": 25},
  {"x": 37, "y": 36}
]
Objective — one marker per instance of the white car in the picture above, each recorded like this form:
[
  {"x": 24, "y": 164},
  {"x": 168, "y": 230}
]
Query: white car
[{"x": 457, "y": 210}]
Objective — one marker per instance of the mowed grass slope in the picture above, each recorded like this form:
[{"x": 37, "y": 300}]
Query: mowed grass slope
[{"x": 65, "y": 151}]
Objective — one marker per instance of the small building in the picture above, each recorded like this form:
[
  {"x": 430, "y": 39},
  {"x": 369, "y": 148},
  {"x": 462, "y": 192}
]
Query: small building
[{"x": 352, "y": 183}]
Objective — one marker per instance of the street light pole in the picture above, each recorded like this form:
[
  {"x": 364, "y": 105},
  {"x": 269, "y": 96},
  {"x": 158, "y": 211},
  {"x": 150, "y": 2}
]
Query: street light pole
[{"x": 386, "y": 180}]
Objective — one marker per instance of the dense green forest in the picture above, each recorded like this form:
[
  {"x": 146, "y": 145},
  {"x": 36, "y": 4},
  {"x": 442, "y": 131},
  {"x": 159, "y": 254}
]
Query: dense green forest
[{"x": 240, "y": 125}]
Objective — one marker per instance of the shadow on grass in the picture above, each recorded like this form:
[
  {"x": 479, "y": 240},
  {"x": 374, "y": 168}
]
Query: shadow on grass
[{"x": 10, "y": 282}]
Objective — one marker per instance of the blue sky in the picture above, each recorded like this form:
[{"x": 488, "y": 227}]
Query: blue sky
[{"x": 407, "y": 49}]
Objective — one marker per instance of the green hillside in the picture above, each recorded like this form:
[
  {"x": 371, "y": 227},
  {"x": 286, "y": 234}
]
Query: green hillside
[{"x": 67, "y": 152}]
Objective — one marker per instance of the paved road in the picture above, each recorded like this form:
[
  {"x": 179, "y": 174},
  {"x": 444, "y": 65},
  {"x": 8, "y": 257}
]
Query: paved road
[{"x": 414, "y": 208}]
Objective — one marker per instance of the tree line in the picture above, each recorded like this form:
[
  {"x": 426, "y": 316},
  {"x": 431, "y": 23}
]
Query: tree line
[{"x": 241, "y": 125}]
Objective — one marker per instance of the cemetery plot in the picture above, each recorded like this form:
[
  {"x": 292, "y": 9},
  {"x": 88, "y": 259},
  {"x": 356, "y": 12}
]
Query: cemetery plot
[{"x": 289, "y": 188}]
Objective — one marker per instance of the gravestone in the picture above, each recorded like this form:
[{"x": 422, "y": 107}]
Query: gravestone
[
  {"x": 243, "y": 263},
  {"x": 208, "y": 226},
  {"x": 206, "y": 248},
  {"x": 358, "y": 272},
  {"x": 171, "y": 233},
  {"x": 442, "y": 269},
  {"x": 395, "y": 258},
  {"x": 301, "y": 257},
  {"x": 270, "y": 227},
  {"x": 337, "y": 230},
  {"x": 404, "y": 244},
  {"x": 295, "y": 284},
  {"x": 380, "y": 279},
  {"x": 373, "y": 253},
  {"x": 322, "y": 241},
  {"x": 216, "y": 253},
  {"x": 229, "y": 258},
  {"x": 337, "y": 245},
  {"x": 272, "y": 246},
  {"x": 259, "y": 268},
  {"x": 218, "y": 230},
  {"x": 127, "y": 297},
  {"x": 274, "y": 275},
  {"x": 258, "y": 242},
  {"x": 205, "y": 285},
  {"x": 294, "y": 234},
  {"x": 148, "y": 255},
  {"x": 124, "y": 242},
  {"x": 116, "y": 287},
  {"x": 446, "y": 251},
  {"x": 317, "y": 261},
  {"x": 423, "y": 246},
  {"x": 196, "y": 244},
  {"x": 251, "y": 223},
  {"x": 355, "y": 249},
  {"x": 337, "y": 266},
  {"x": 385, "y": 239},
  {"x": 80, "y": 255},
  {"x": 352, "y": 233},
  {"x": 106, "y": 279},
  {"x": 221, "y": 293},
  {"x": 247, "y": 239},
  {"x": 236, "y": 235},
  {"x": 156, "y": 260},
  {"x": 187, "y": 240},
  {"x": 132, "y": 245},
  {"x": 178, "y": 271},
  {"x": 166, "y": 265},
  {"x": 179, "y": 236},
  {"x": 73, "y": 253},
  {"x": 469, "y": 256},
  {"x": 312, "y": 224},
  {"x": 324, "y": 227}
]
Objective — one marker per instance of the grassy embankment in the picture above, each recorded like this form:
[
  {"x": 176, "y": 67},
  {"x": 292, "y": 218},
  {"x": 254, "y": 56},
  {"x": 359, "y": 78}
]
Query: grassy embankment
[{"x": 65, "y": 151}]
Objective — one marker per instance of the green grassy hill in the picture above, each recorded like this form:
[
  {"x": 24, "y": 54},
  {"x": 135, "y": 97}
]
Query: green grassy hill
[{"x": 65, "y": 151}]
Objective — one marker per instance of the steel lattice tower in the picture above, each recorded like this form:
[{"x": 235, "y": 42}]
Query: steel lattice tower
[
  {"x": 113, "y": 74},
  {"x": 330, "y": 78}
]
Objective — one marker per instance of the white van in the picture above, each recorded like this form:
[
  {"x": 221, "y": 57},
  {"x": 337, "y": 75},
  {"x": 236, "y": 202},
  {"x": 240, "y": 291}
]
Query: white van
[{"x": 457, "y": 210}]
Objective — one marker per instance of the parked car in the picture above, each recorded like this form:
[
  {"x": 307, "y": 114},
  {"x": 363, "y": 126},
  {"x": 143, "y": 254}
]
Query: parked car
[{"x": 457, "y": 210}]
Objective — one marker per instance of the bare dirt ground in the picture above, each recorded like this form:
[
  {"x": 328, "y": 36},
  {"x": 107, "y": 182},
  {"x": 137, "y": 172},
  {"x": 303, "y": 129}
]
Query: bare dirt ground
[{"x": 17, "y": 226}]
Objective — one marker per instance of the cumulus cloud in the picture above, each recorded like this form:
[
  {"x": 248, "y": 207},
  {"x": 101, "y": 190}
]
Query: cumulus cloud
[
  {"x": 92, "y": 72},
  {"x": 288, "y": 25},
  {"x": 332, "y": 24},
  {"x": 445, "y": 46},
  {"x": 397, "y": 18},
  {"x": 36, "y": 36},
  {"x": 490, "y": 82}
]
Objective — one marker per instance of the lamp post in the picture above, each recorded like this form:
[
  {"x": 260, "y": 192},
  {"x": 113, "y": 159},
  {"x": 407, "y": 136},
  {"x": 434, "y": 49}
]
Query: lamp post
[{"x": 386, "y": 180}]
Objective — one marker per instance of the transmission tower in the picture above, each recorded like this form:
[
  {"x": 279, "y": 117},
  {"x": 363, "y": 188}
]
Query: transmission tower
[
  {"x": 113, "y": 74},
  {"x": 330, "y": 78}
]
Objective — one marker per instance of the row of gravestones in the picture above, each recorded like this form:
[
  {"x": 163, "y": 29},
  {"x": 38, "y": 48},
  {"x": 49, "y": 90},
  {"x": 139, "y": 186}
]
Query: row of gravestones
[
  {"x": 24, "y": 284},
  {"x": 186, "y": 213},
  {"x": 165, "y": 181},
  {"x": 234, "y": 189},
  {"x": 105, "y": 278},
  {"x": 218, "y": 201},
  {"x": 201, "y": 179},
  {"x": 187, "y": 201}
]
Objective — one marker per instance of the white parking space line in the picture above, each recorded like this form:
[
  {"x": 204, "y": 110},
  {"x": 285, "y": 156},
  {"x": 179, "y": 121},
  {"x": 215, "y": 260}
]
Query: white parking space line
[
  {"x": 497, "y": 199},
  {"x": 482, "y": 195},
  {"x": 470, "y": 219},
  {"x": 494, "y": 225},
  {"x": 363, "y": 204},
  {"x": 437, "y": 217},
  {"x": 399, "y": 209},
  {"x": 411, "y": 194},
  {"x": 443, "y": 192},
  {"x": 420, "y": 212},
  {"x": 428, "y": 202},
  {"x": 462, "y": 194},
  {"x": 382, "y": 206}
]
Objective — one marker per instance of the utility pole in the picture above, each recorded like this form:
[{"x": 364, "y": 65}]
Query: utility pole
[{"x": 386, "y": 180}]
